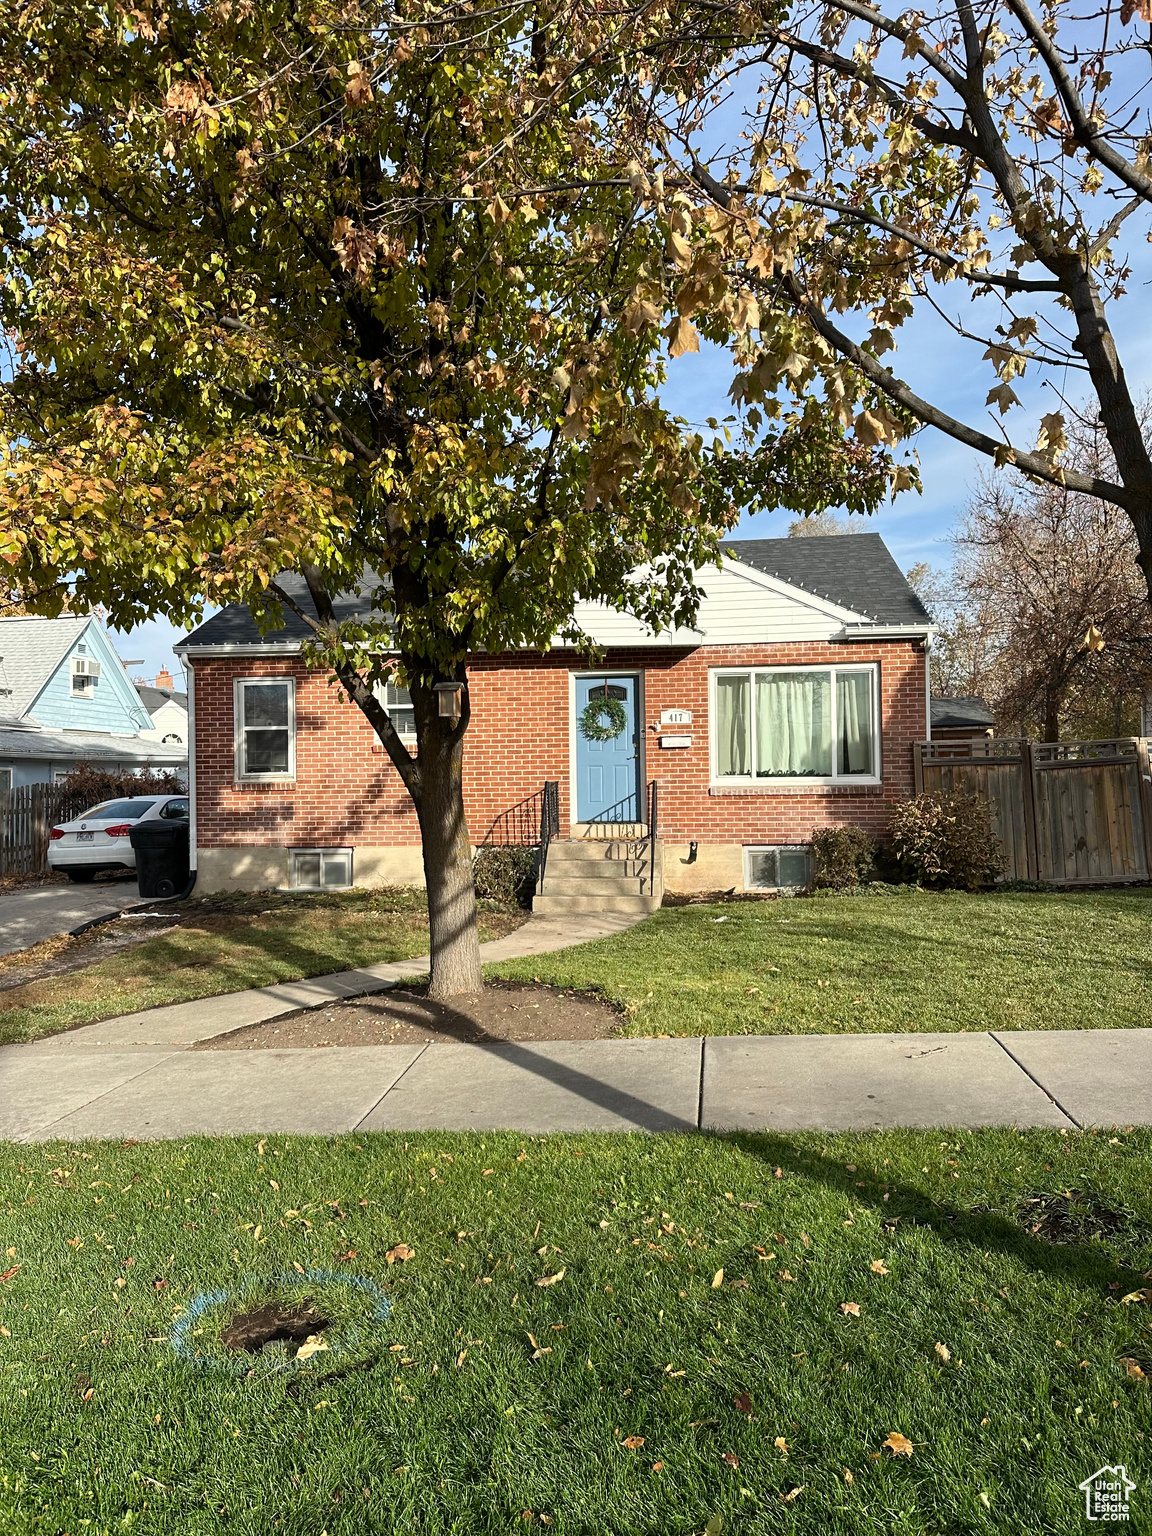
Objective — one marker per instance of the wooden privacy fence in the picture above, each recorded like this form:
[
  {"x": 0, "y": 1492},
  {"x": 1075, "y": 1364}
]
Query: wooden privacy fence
[
  {"x": 27, "y": 815},
  {"x": 1066, "y": 812}
]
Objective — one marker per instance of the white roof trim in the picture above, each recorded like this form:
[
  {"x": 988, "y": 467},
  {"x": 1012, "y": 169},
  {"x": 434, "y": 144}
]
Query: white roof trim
[
  {"x": 801, "y": 595},
  {"x": 886, "y": 631},
  {"x": 257, "y": 648}
]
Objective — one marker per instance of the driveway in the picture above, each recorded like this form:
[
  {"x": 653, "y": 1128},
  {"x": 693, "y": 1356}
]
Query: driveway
[{"x": 36, "y": 912}]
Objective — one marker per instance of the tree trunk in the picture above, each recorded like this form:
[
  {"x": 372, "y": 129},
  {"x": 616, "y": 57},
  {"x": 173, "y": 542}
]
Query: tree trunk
[
  {"x": 1051, "y": 718},
  {"x": 447, "y": 851}
]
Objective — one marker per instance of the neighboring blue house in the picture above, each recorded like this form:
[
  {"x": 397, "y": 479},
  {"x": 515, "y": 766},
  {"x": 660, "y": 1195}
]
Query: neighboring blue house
[{"x": 65, "y": 699}]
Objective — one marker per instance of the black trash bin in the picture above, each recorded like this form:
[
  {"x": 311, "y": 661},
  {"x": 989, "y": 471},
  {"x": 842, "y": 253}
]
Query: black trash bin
[{"x": 161, "y": 857}]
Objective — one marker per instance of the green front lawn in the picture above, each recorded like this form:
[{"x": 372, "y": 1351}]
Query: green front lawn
[
  {"x": 693, "y": 1360},
  {"x": 225, "y": 943},
  {"x": 904, "y": 960}
]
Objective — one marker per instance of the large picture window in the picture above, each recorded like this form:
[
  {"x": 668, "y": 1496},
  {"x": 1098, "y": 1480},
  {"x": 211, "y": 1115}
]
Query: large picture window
[
  {"x": 265, "y": 728},
  {"x": 786, "y": 723}
]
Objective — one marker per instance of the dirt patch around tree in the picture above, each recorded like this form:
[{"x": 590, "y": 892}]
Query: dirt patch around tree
[{"x": 404, "y": 1016}]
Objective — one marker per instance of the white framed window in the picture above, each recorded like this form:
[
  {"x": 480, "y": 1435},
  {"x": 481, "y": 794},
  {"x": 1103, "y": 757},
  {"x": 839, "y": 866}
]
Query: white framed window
[
  {"x": 795, "y": 725},
  {"x": 320, "y": 869},
  {"x": 84, "y": 672},
  {"x": 398, "y": 702},
  {"x": 784, "y": 867},
  {"x": 265, "y": 723}
]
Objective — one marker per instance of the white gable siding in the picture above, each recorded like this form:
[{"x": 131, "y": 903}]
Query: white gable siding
[{"x": 739, "y": 607}]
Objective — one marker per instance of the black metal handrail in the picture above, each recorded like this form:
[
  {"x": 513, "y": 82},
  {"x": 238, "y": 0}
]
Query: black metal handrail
[
  {"x": 549, "y": 824},
  {"x": 519, "y": 826},
  {"x": 653, "y": 809}
]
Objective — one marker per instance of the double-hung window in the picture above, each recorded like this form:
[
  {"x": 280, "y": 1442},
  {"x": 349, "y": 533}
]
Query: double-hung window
[
  {"x": 265, "y": 728},
  {"x": 398, "y": 702},
  {"x": 794, "y": 724}
]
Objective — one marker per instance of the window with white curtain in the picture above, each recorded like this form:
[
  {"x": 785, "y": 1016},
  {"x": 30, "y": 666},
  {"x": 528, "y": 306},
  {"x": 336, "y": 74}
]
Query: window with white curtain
[{"x": 794, "y": 723}]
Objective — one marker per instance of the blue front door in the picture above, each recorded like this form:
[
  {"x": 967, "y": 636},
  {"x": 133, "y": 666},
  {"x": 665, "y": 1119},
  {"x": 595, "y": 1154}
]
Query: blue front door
[{"x": 607, "y": 772}]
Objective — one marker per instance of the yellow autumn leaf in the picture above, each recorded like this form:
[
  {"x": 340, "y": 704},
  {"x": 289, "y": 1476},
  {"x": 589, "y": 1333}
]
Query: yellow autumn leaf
[
  {"x": 944, "y": 1352},
  {"x": 717, "y": 1279},
  {"x": 312, "y": 1345},
  {"x": 878, "y": 1267},
  {"x": 401, "y": 1253},
  {"x": 553, "y": 1279},
  {"x": 682, "y": 337},
  {"x": 850, "y": 1308},
  {"x": 898, "y": 1444}
]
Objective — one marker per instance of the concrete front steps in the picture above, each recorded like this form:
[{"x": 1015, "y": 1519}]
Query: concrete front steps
[{"x": 610, "y": 875}]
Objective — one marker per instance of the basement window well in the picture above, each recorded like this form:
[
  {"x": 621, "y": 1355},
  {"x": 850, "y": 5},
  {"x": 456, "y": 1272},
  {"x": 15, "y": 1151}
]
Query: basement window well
[
  {"x": 320, "y": 869},
  {"x": 785, "y": 868}
]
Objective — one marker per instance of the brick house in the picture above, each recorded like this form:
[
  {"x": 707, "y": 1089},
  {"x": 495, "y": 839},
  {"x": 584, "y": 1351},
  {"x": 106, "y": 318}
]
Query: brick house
[{"x": 794, "y": 704}]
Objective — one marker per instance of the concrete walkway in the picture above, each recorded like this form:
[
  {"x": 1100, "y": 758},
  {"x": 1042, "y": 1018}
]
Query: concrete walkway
[{"x": 135, "y": 1076}]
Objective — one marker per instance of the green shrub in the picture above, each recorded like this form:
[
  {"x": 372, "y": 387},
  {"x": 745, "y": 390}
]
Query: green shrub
[
  {"x": 947, "y": 840},
  {"x": 506, "y": 875},
  {"x": 842, "y": 857}
]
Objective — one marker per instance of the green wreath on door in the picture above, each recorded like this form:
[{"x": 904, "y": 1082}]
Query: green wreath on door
[{"x": 603, "y": 718}]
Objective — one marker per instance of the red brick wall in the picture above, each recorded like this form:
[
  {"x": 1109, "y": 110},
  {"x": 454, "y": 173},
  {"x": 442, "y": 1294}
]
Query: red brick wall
[{"x": 346, "y": 791}]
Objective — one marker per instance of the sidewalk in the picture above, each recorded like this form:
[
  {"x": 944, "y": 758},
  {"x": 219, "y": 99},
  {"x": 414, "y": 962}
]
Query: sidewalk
[{"x": 135, "y": 1076}]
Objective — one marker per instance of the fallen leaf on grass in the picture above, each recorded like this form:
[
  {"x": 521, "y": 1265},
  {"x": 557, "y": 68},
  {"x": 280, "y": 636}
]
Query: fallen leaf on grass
[
  {"x": 743, "y": 1403},
  {"x": 898, "y": 1444},
  {"x": 538, "y": 1353},
  {"x": 401, "y": 1252},
  {"x": 717, "y": 1279},
  {"x": 850, "y": 1308},
  {"x": 848, "y": 1478},
  {"x": 781, "y": 1445},
  {"x": 1141, "y": 1295},
  {"x": 878, "y": 1267},
  {"x": 312, "y": 1345},
  {"x": 633, "y": 1442},
  {"x": 1133, "y": 1368},
  {"x": 943, "y": 1351},
  {"x": 657, "y": 1466},
  {"x": 74, "y": 1242},
  {"x": 733, "y": 1461},
  {"x": 786, "y": 1498},
  {"x": 4, "y": 1332},
  {"x": 8, "y": 1273},
  {"x": 553, "y": 1279}
]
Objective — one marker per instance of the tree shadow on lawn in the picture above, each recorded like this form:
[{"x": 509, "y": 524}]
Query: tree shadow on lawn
[{"x": 1085, "y": 1264}]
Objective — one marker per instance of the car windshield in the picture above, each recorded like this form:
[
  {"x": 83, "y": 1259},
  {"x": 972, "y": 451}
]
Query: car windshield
[{"x": 118, "y": 810}]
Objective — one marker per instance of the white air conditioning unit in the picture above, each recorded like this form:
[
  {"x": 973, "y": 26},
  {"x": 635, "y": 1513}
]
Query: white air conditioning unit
[{"x": 84, "y": 666}]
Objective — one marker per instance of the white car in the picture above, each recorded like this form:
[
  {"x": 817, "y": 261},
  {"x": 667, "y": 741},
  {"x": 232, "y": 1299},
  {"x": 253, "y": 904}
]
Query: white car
[{"x": 99, "y": 838}]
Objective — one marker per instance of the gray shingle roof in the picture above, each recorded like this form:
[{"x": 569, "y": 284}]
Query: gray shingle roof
[
  {"x": 957, "y": 713},
  {"x": 235, "y": 625},
  {"x": 155, "y": 698},
  {"x": 71, "y": 747},
  {"x": 854, "y": 570},
  {"x": 30, "y": 651}
]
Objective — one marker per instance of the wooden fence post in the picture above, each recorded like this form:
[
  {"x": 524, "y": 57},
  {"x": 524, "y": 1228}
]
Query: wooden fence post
[
  {"x": 1144, "y": 775},
  {"x": 918, "y": 767},
  {"x": 1028, "y": 790}
]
